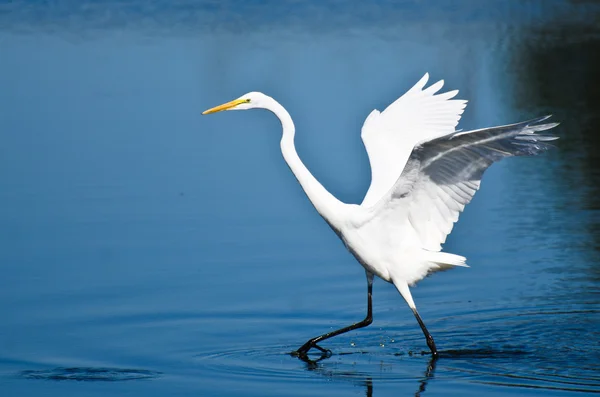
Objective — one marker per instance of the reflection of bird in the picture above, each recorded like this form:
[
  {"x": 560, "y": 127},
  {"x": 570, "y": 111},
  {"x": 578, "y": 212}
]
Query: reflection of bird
[{"x": 423, "y": 173}]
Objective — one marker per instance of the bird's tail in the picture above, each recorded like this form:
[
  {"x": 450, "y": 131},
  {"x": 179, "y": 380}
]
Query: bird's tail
[{"x": 445, "y": 260}]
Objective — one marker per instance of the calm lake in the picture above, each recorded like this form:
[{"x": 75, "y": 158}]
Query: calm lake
[{"x": 147, "y": 250}]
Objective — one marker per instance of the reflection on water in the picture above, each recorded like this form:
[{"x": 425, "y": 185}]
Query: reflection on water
[
  {"x": 356, "y": 378},
  {"x": 137, "y": 235}
]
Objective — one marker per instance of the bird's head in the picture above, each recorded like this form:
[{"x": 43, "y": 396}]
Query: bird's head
[{"x": 250, "y": 100}]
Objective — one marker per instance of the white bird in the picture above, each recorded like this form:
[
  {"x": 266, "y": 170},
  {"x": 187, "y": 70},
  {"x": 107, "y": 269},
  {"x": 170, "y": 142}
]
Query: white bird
[{"x": 423, "y": 173}]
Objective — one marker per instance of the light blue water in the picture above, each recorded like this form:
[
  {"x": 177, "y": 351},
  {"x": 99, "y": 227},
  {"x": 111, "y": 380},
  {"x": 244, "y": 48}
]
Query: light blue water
[{"x": 148, "y": 250}]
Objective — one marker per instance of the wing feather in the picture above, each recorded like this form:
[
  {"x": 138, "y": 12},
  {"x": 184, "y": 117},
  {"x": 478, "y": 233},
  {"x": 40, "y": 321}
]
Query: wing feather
[
  {"x": 442, "y": 175},
  {"x": 389, "y": 137}
]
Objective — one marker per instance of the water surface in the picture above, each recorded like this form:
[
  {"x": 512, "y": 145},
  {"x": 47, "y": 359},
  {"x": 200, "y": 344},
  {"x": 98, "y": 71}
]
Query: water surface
[{"x": 147, "y": 250}]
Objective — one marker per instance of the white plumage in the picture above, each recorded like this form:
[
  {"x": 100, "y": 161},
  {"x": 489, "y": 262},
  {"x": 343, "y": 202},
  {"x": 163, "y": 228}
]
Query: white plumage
[
  {"x": 390, "y": 136},
  {"x": 423, "y": 174}
]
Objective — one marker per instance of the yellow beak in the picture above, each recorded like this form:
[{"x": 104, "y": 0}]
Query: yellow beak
[{"x": 225, "y": 106}]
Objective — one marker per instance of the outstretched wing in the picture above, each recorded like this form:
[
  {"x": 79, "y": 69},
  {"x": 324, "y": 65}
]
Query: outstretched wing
[
  {"x": 390, "y": 136},
  {"x": 442, "y": 175}
]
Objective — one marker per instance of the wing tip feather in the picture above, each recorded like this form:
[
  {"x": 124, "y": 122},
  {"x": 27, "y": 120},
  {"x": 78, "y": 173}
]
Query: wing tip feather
[
  {"x": 422, "y": 82},
  {"x": 435, "y": 87}
]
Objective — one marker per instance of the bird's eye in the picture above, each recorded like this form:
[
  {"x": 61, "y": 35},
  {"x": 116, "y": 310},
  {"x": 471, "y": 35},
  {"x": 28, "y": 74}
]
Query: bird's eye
[{"x": 247, "y": 100}]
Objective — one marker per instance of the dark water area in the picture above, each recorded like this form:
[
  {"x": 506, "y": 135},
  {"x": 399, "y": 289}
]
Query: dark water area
[{"x": 148, "y": 250}]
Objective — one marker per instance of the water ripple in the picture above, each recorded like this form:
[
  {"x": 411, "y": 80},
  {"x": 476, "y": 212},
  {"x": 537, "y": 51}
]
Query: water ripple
[
  {"x": 90, "y": 374},
  {"x": 510, "y": 347}
]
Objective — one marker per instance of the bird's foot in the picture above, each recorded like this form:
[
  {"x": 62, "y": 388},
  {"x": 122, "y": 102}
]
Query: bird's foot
[
  {"x": 432, "y": 347},
  {"x": 305, "y": 348}
]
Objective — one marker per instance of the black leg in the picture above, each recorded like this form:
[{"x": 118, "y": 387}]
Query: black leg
[
  {"x": 430, "y": 341},
  {"x": 368, "y": 320}
]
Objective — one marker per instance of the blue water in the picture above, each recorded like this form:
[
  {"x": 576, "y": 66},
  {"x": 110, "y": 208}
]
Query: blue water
[{"x": 148, "y": 250}]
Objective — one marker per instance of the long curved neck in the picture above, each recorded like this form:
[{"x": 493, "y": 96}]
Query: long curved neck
[{"x": 325, "y": 203}]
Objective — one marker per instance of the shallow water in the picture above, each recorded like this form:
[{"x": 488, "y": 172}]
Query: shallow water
[{"x": 147, "y": 250}]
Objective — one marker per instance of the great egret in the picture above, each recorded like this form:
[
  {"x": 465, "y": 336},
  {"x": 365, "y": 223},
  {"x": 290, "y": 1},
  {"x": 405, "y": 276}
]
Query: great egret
[{"x": 423, "y": 173}]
